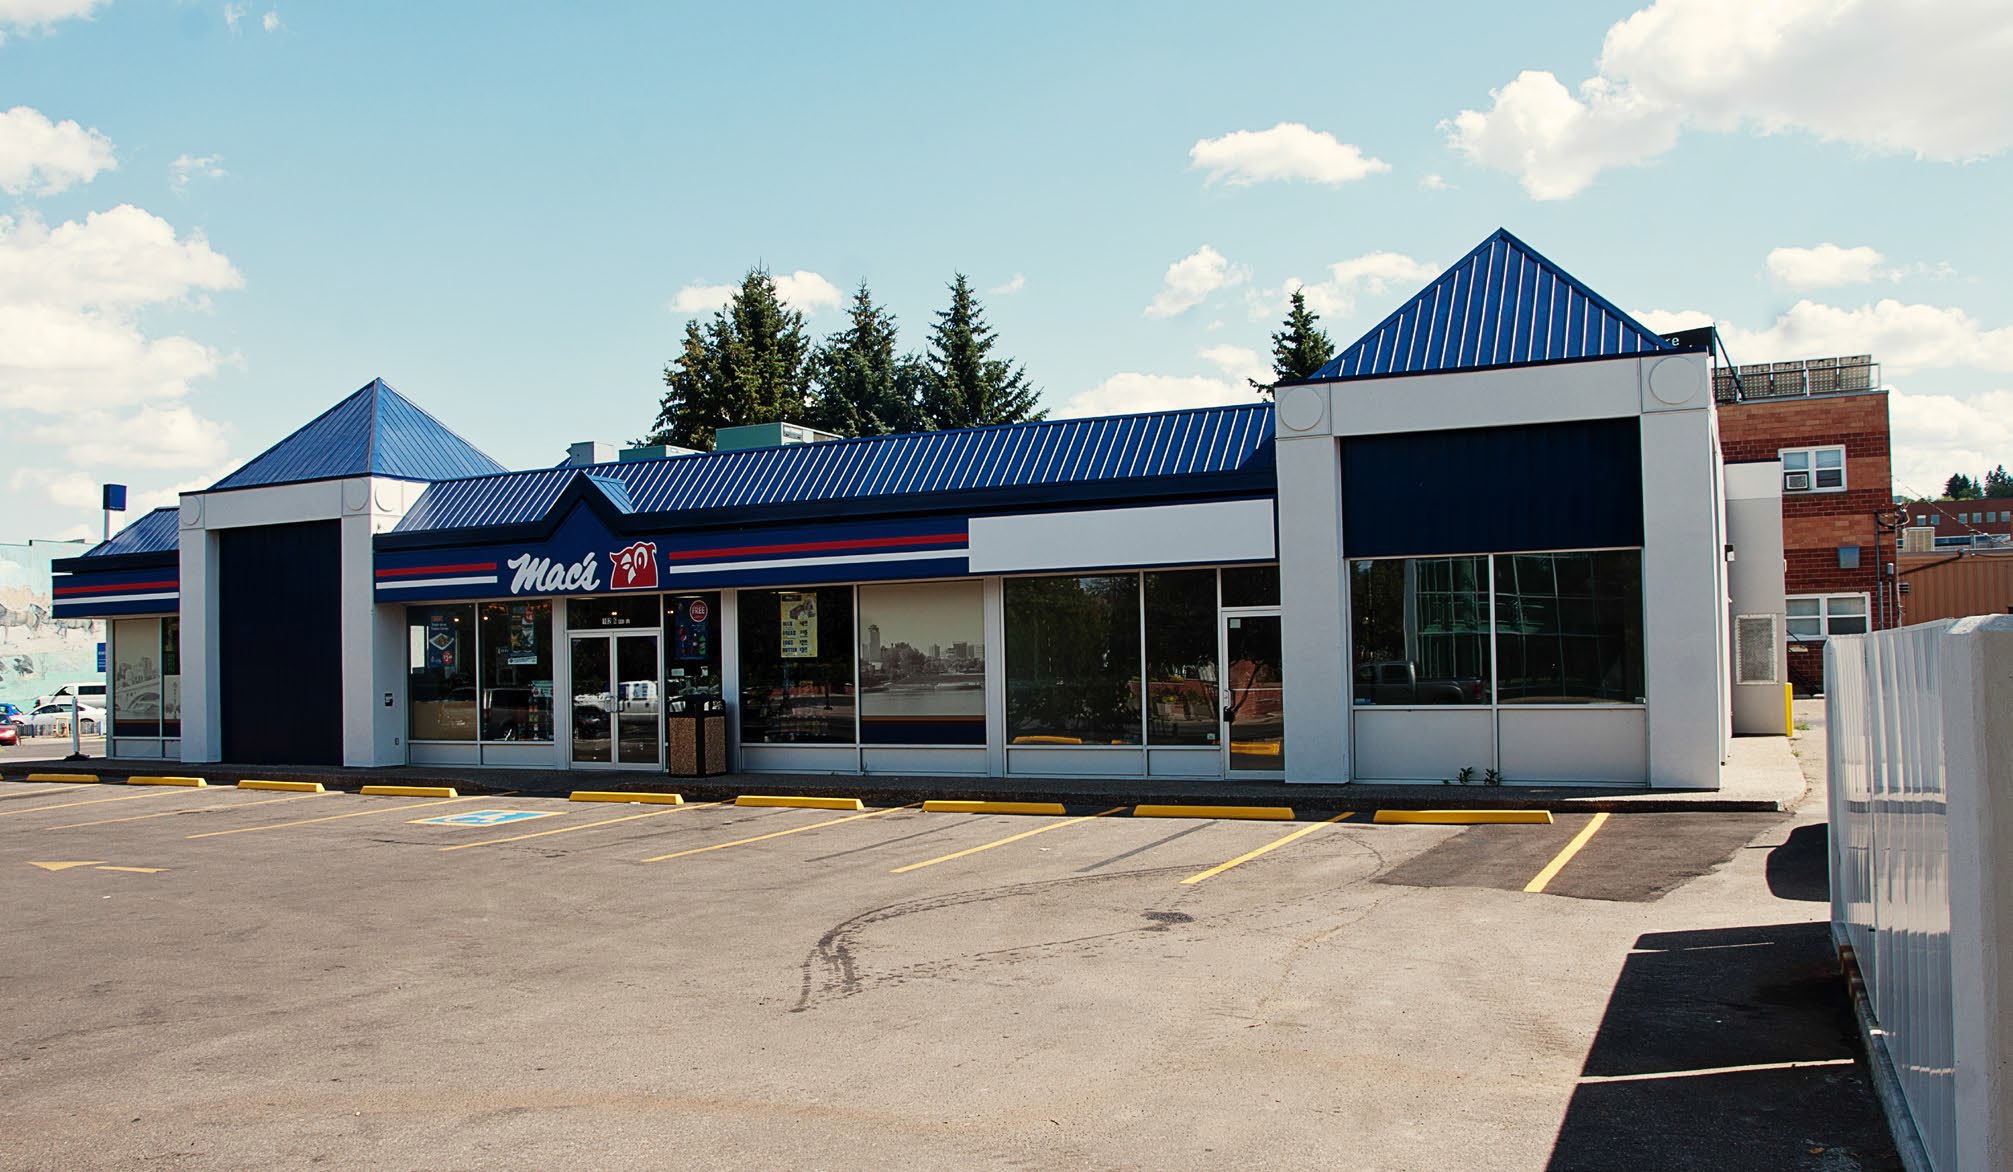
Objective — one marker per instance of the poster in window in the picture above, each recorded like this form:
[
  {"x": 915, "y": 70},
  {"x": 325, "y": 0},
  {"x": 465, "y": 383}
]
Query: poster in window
[
  {"x": 692, "y": 631},
  {"x": 800, "y": 625},
  {"x": 523, "y": 629},
  {"x": 439, "y": 644}
]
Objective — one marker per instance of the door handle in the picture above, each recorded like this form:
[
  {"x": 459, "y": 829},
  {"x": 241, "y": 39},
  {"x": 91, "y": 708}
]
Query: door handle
[{"x": 1229, "y": 714}]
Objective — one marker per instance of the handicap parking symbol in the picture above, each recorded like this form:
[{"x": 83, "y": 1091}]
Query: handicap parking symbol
[{"x": 483, "y": 817}]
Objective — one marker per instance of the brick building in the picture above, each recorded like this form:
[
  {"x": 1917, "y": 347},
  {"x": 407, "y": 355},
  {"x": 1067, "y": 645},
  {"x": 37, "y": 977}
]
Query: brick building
[
  {"x": 1961, "y": 524},
  {"x": 1826, "y": 420}
]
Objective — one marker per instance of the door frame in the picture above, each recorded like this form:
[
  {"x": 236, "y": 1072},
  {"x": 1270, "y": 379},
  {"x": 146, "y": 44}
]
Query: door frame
[
  {"x": 614, "y": 683},
  {"x": 1224, "y": 616}
]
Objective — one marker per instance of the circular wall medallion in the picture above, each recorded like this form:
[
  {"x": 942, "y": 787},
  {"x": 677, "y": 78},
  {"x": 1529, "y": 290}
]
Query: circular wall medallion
[
  {"x": 388, "y": 498},
  {"x": 1299, "y": 408},
  {"x": 1673, "y": 382},
  {"x": 355, "y": 495},
  {"x": 192, "y": 512}
]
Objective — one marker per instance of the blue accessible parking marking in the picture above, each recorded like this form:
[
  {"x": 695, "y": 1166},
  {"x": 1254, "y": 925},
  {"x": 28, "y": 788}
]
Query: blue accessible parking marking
[{"x": 483, "y": 817}]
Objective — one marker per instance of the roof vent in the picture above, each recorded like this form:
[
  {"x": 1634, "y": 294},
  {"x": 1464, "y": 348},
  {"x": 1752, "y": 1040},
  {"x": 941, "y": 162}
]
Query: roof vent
[
  {"x": 654, "y": 452},
  {"x": 590, "y": 452},
  {"x": 766, "y": 435}
]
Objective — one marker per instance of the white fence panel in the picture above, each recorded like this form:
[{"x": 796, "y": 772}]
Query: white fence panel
[{"x": 1921, "y": 808}]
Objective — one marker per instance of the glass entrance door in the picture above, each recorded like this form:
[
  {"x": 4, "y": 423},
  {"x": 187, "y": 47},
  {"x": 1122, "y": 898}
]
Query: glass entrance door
[
  {"x": 617, "y": 708},
  {"x": 1254, "y": 712}
]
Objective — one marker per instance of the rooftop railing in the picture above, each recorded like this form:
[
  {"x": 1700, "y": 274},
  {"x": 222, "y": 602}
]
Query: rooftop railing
[{"x": 1764, "y": 381}]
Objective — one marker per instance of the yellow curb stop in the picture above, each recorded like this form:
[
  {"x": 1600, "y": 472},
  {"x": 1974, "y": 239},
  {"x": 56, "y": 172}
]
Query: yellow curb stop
[
  {"x": 63, "y": 777},
  {"x": 299, "y": 787},
  {"x": 801, "y": 803},
  {"x": 409, "y": 791},
  {"x": 1260, "y": 813},
  {"x": 1465, "y": 817},
  {"x": 648, "y": 799},
  {"x": 149, "y": 780},
  {"x": 950, "y": 806}
]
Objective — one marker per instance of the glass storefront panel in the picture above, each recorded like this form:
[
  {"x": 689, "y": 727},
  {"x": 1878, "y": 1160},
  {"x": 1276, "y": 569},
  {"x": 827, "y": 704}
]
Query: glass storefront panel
[
  {"x": 136, "y": 678},
  {"x": 440, "y": 680},
  {"x": 1251, "y": 586},
  {"x": 516, "y": 640},
  {"x": 1419, "y": 630},
  {"x": 1254, "y": 694},
  {"x": 171, "y": 677},
  {"x": 1072, "y": 660},
  {"x": 923, "y": 664},
  {"x": 593, "y": 701},
  {"x": 1181, "y": 671},
  {"x": 691, "y": 649},
  {"x": 604, "y": 613},
  {"x": 1569, "y": 627},
  {"x": 797, "y": 666}
]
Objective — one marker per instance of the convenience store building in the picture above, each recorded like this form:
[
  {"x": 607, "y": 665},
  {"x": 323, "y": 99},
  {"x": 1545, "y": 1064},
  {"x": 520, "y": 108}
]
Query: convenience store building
[{"x": 1401, "y": 571}]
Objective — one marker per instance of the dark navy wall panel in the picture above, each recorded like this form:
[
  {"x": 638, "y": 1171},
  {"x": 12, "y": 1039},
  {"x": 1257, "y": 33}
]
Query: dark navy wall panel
[
  {"x": 1545, "y": 486},
  {"x": 280, "y": 644}
]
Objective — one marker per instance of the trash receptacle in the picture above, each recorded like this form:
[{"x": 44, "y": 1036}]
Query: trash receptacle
[{"x": 695, "y": 740}]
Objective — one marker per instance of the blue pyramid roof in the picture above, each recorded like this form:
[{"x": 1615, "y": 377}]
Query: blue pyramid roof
[
  {"x": 375, "y": 432},
  {"x": 1503, "y": 304}
]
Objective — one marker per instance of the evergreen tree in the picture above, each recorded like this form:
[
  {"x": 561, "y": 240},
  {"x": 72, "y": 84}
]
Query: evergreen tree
[
  {"x": 963, "y": 386},
  {"x": 749, "y": 364},
  {"x": 1998, "y": 483},
  {"x": 1960, "y": 488},
  {"x": 1299, "y": 349},
  {"x": 862, "y": 387}
]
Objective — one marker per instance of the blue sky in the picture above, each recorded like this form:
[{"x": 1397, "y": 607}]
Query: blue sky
[{"x": 222, "y": 218}]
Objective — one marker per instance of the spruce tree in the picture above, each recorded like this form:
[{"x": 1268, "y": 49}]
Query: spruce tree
[
  {"x": 861, "y": 386},
  {"x": 1299, "y": 349},
  {"x": 963, "y": 385},
  {"x": 749, "y": 364},
  {"x": 1961, "y": 488},
  {"x": 1998, "y": 483}
]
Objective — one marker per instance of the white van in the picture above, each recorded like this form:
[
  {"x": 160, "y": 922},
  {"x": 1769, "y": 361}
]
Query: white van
[{"x": 92, "y": 694}]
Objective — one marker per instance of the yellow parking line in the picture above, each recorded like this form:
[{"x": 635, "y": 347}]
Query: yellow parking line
[
  {"x": 1275, "y": 844},
  {"x": 700, "y": 850},
  {"x": 332, "y": 817},
  {"x": 1003, "y": 841},
  {"x": 1565, "y": 856},
  {"x": 462, "y": 846},
  {"x": 172, "y": 813},
  {"x": 152, "y": 793}
]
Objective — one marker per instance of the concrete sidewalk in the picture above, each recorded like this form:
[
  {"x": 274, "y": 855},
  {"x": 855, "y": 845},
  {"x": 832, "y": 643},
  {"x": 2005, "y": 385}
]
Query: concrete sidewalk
[{"x": 1761, "y": 775}]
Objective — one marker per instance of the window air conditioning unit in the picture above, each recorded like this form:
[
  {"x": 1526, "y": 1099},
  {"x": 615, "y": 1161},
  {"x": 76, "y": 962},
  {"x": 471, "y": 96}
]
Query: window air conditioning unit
[{"x": 1796, "y": 482}]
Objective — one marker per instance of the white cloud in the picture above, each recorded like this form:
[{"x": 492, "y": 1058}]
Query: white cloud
[
  {"x": 1192, "y": 279},
  {"x": 1926, "y": 78},
  {"x": 1935, "y": 435},
  {"x": 1903, "y": 338},
  {"x": 1018, "y": 283},
  {"x": 187, "y": 167},
  {"x": 270, "y": 21},
  {"x": 1289, "y": 150},
  {"x": 1823, "y": 267},
  {"x": 1129, "y": 392},
  {"x": 1239, "y": 363},
  {"x": 32, "y": 15},
  {"x": 1375, "y": 274},
  {"x": 233, "y": 13},
  {"x": 89, "y": 395},
  {"x": 44, "y": 157},
  {"x": 807, "y": 292},
  {"x": 802, "y": 290},
  {"x": 698, "y": 298},
  {"x": 1434, "y": 182}
]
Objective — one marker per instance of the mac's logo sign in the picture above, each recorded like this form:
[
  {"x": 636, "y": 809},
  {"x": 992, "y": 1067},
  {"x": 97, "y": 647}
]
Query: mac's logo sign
[
  {"x": 635, "y": 567},
  {"x": 532, "y": 575}
]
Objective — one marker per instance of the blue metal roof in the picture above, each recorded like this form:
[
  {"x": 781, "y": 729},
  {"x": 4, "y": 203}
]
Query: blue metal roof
[
  {"x": 1063, "y": 453},
  {"x": 1502, "y": 304},
  {"x": 375, "y": 432},
  {"x": 154, "y": 532}
]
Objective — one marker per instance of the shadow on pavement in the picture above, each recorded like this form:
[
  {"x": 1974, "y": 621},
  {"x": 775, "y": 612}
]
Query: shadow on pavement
[
  {"x": 1656, "y": 1093},
  {"x": 1800, "y": 868}
]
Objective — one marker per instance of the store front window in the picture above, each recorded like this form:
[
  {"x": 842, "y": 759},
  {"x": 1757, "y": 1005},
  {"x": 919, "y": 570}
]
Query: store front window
[
  {"x": 923, "y": 664},
  {"x": 1073, "y": 660},
  {"x": 691, "y": 650},
  {"x": 440, "y": 679},
  {"x": 1420, "y": 630},
  {"x": 797, "y": 666},
  {"x": 516, "y": 675},
  {"x": 1181, "y": 668},
  {"x": 146, "y": 678}
]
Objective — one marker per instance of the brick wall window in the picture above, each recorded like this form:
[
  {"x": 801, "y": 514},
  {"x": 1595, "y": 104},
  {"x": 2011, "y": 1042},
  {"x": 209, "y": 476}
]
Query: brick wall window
[
  {"x": 1813, "y": 469},
  {"x": 1813, "y": 616}
]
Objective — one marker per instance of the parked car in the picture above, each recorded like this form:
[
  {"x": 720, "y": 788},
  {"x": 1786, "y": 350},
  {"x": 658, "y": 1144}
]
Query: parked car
[
  {"x": 90, "y": 694},
  {"x": 10, "y": 733},
  {"x": 51, "y": 719},
  {"x": 1396, "y": 681}
]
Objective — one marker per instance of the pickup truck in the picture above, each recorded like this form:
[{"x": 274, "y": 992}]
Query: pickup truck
[{"x": 1396, "y": 681}]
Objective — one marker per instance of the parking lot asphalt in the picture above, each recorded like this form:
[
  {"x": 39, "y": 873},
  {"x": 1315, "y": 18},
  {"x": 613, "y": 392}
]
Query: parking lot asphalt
[{"x": 222, "y": 978}]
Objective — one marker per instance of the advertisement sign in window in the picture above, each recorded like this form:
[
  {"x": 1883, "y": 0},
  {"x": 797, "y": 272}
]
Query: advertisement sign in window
[{"x": 800, "y": 625}]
